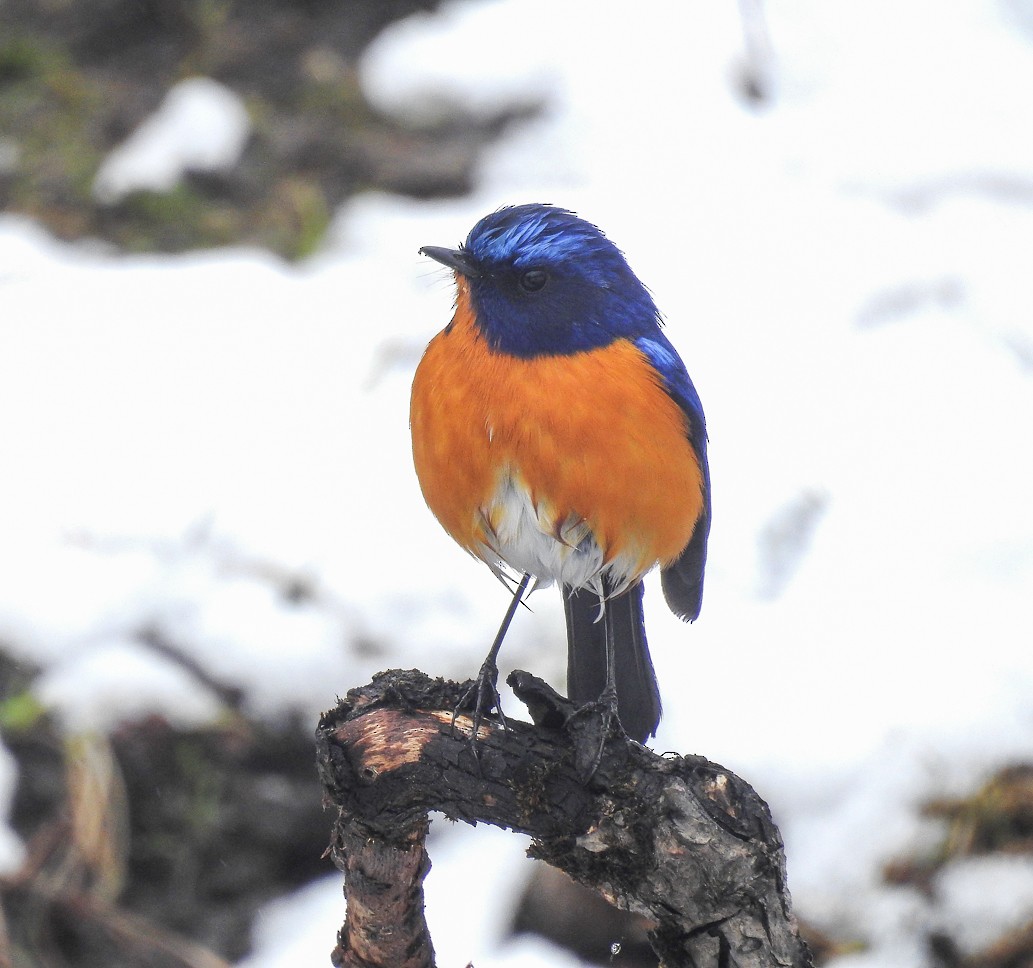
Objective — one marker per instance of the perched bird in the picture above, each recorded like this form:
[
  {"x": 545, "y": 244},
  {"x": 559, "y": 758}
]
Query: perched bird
[{"x": 556, "y": 432}]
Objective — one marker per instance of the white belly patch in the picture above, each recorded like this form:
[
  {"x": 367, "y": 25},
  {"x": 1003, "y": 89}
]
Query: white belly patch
[{"x": 530, "y": 540}]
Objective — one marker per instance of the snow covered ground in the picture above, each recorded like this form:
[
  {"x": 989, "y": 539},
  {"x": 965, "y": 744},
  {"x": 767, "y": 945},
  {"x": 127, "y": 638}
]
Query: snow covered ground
[{"x": 848, "y": 273}]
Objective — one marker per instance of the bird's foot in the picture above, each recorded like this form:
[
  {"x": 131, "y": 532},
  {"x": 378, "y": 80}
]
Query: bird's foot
[
  {"x": 590, "y": 726},
  {"x": 480, "y": 699}
]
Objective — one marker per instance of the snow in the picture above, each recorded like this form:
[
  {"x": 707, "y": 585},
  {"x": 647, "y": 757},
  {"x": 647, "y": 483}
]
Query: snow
[
  {"x": 276, "y": 936},
  {"x": 984, "y": 897},
  {"x": 462, "y": 877},
  {"x": 846, "y": 273},
  {"x": 12, "y": 851},
  {"x": 200, "y": 126}
]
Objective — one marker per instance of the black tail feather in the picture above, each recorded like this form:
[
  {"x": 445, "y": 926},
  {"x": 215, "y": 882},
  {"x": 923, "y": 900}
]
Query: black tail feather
[
  {"x": 638, "y": 697},
  {"x": 682, "y": 581}
]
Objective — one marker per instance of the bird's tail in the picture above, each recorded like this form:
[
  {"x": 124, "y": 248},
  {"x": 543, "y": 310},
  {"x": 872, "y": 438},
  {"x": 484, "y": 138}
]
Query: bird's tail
[{"x": 638, "y": 697}]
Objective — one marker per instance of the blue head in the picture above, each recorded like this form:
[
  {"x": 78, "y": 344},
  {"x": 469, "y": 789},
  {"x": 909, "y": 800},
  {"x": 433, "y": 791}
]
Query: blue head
[{"x": 544, "y": 281}]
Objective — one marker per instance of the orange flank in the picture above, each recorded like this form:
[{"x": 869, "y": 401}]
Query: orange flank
[{"x": 592, "y": 437}]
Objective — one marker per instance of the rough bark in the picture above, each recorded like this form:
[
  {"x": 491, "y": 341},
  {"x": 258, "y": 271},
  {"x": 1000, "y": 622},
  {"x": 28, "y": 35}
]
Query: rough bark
[{"x": 680, "y": 840}]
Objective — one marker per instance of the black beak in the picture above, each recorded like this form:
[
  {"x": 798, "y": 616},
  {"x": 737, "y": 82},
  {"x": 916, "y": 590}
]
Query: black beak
[{"x": 453, "y": 258}]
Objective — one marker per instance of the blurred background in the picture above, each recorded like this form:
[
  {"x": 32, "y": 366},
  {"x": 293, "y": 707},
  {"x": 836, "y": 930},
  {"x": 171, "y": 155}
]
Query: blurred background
[{"x": 211, "y": 306}]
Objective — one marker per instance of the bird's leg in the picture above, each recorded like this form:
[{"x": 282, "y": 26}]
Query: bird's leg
[
  {"x": 484, "y": 693},
  {"x": 608, "y": 699},
  {"x": 603, "y": 712}
]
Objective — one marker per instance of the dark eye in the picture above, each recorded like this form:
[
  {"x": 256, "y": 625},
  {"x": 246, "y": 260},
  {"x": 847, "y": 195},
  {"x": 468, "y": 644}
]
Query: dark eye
[{"x": 534, "y": 280}]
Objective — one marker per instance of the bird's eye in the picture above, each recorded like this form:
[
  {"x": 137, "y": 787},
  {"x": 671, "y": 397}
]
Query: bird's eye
[{"x": 534, "y": 280}]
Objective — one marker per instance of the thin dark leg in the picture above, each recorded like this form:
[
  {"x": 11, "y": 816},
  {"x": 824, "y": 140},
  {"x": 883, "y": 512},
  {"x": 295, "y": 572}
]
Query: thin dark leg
[
  {"x": 600, "y": 716},
  {"x": 484, "y": 692},
  {"x": 609, "y": 693},
  {"x": 507, "y": 620}
]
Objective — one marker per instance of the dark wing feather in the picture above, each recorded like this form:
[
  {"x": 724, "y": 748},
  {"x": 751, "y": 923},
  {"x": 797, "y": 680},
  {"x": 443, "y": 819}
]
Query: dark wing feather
[{"x": 682, "y": 581}]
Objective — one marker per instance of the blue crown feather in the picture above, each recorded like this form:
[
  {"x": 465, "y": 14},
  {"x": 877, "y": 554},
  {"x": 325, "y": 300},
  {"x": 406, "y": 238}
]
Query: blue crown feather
[{"x": 588, "y": 296}]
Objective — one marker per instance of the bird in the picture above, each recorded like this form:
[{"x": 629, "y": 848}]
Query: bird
[{"x": 557, "y": 436}]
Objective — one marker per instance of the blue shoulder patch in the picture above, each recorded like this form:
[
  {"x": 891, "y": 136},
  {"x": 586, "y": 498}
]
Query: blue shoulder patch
[{"x": 682, "y": 581}]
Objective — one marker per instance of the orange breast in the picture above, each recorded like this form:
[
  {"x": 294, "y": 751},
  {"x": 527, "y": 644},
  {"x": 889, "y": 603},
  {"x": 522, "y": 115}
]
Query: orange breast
[{"x": 591, "y": 436}]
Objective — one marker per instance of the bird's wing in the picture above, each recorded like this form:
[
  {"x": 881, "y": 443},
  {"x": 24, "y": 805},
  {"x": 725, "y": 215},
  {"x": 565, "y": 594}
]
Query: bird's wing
[{"x": 683, "y": 580}]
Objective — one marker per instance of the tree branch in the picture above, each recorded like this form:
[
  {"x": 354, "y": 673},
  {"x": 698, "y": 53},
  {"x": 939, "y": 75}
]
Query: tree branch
[{"x": 679, "y": 839}]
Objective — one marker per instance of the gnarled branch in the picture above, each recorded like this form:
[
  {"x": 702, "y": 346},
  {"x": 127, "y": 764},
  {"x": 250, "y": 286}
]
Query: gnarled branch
[{"x": 679, "y": 839}]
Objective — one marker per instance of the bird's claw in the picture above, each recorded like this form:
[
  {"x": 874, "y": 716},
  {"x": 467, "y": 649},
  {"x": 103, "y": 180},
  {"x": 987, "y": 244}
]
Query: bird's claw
[
  {"x": 481, "y": 698},
  {"x": 590, "y": 726}
]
